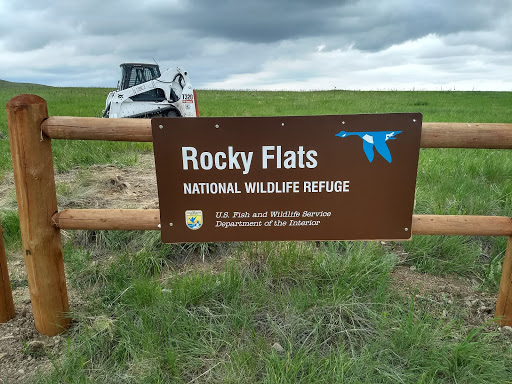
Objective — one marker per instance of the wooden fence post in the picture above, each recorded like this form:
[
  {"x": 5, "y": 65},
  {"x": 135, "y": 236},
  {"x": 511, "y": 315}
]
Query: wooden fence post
[
  {"x": 504, "y": 304},
  {"x": 37, "y": 201},
  {"x": 6, "y": 303}
]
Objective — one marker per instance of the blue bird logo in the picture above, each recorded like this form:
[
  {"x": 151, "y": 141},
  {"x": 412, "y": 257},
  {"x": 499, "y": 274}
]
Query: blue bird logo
[
  {"x": 374, "y": 139},
  {"x": 193, "y": 222}
]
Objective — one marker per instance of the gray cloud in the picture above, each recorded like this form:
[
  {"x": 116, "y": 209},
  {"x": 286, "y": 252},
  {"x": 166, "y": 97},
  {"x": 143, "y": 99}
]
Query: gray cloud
[
  {"x": 369, "y": 25},
  {"x": 228, "y": 43}
]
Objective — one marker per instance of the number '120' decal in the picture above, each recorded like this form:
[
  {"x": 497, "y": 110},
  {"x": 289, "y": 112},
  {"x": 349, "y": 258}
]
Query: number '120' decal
[{"x": 187, "y": 97}]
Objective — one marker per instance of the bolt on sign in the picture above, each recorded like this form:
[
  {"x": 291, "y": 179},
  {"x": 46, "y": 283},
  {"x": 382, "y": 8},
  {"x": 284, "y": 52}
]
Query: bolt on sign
[{"x": 342, "y": 177}]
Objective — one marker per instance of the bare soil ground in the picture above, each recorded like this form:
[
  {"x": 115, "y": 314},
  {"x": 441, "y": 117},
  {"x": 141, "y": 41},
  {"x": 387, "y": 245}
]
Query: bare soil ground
[
  {"x": 446, "y": 296},
  {"x": 24, "y": 352},
  {"x": 106, "y": 186}
]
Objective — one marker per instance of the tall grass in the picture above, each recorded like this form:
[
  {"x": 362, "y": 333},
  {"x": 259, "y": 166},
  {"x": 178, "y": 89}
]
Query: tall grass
[{"x": 272, "y": 313}]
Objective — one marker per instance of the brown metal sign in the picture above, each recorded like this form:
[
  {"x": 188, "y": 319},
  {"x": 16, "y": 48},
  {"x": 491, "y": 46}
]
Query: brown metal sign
[{"x": 343, "y": 177}]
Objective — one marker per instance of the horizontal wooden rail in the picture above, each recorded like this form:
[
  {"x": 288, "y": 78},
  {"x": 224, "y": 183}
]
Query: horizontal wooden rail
[
  {"x": 463, "y": 225},
  {"x": 434, "y": 135},
  {"x": 117, "y": 219},
  {"x": 149, "y": 219},
  {"x": 93, "y": 128},
  {"x": 462, "y": 135}
]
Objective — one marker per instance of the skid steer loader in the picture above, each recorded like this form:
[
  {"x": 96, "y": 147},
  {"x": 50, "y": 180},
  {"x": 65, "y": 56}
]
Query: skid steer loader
[{"x": 144, "y": 92}]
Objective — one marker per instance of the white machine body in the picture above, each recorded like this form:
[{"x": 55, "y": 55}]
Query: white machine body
[{"x": 144, "y": 92}]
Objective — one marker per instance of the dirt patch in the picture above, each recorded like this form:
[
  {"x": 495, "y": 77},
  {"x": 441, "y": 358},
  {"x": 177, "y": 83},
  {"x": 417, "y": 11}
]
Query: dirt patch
[
  {"x": 99, "y": 186},
  {"x": 24, "y": 352},
  {"x": 107, "y": 186},
  {"x": 446, "y": 297}
]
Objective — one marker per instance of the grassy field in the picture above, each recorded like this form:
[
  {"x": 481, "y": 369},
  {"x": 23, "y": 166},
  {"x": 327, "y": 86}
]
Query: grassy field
[{"x": 285, "y": 312}]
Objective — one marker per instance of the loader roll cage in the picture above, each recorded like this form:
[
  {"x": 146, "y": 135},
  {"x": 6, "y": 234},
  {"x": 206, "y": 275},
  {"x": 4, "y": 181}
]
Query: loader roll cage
[{"x": 133, "y": 74}]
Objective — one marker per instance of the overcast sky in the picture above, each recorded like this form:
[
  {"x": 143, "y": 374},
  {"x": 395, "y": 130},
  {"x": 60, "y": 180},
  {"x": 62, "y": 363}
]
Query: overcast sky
[{"x": 263, "y": 44}]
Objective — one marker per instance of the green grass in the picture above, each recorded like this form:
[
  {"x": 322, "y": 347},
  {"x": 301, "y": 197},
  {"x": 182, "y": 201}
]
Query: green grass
[
  {"x": 70, "y": 153},
  {"x": 476, "y": 107},
  {"x": 436, "y": 106},
  {"x": 329, "y": 307},
  {"x": 157, "y": 313}
]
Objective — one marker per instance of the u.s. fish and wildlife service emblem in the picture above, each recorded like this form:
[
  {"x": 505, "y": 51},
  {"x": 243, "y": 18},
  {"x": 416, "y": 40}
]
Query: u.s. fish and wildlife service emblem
[{"x": 194, "y": 219}]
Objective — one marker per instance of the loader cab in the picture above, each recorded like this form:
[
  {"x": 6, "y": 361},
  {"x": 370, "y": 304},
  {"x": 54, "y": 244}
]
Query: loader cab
[{"x": 133, "y": 74}]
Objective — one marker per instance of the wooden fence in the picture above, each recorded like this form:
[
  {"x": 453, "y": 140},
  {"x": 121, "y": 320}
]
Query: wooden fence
[
  {"x": 6, "y": 302},
  {"x": 31, "y": 131}
]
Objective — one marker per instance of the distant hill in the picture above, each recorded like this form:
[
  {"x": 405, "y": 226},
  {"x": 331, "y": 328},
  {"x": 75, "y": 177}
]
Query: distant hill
[{"x": 10, "y": 84}]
